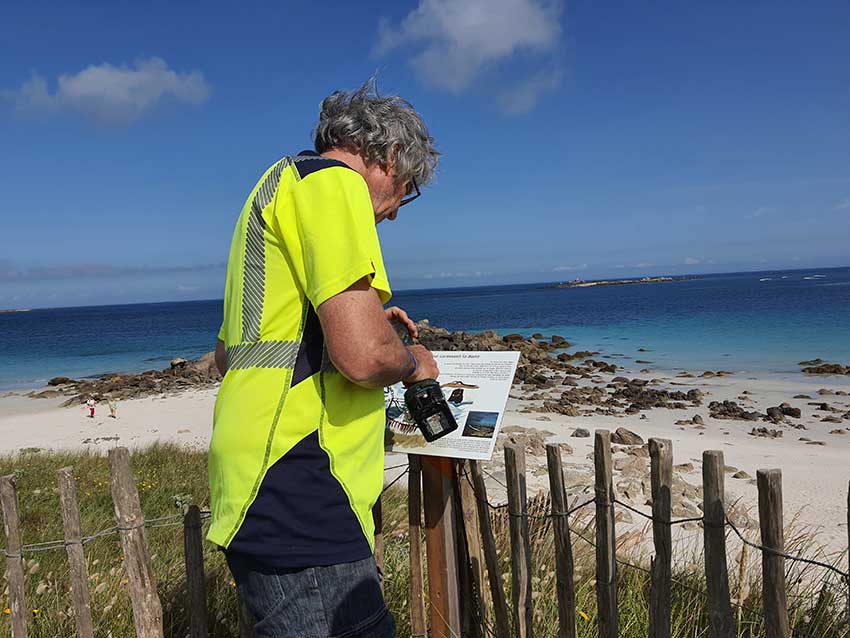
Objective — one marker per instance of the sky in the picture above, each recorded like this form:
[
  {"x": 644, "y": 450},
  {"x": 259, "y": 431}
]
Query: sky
[{"x": 579, "y": 139}]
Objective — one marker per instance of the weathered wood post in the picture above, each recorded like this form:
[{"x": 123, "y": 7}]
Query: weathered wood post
[
  {"x": 147, "y": 610},
  {"x": 14, "y": 558},
  {"x": 661, "y": 476},
  {"x": 714, "y": 537},
  {"x": 193, "y": 545},
  {"x": 438, "y": 479},
  {"x": 494, "y": 573},
  {"x": 469, "y": 510},
  {"x": 418, "y": 628},
  {"x": 773, "y": 565},
  {"x": 606, "y": 538},
  {"x": 563, "y": 545},
  {"x": 74, "y": 548},
  {"x": 520, "y": 546}
]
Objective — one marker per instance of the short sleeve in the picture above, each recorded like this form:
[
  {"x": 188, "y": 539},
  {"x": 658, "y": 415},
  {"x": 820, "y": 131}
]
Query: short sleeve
[
  {"x": 336, "y": 231},
  {"x": 221, "y": 332}
]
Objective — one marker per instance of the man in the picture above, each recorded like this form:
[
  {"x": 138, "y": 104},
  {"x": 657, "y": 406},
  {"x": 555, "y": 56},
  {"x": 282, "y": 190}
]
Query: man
[{"x": 296, "y": 457}]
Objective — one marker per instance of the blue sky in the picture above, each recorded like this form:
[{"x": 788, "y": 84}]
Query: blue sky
[{"x": 579, "y": 139}]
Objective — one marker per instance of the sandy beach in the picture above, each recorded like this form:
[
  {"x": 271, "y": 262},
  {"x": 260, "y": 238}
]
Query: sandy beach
[{"x": 815, "y": 475}]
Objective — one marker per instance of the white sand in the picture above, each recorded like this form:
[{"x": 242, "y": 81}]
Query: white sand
[{"x": 815, "y": 478}]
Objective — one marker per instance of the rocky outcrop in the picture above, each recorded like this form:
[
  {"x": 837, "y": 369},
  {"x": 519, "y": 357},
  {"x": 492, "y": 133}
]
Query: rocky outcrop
[
  {"x": 731, "y": 410},
  {"x": 180, "y": 375},
  {"x": 819, "y": 366}
]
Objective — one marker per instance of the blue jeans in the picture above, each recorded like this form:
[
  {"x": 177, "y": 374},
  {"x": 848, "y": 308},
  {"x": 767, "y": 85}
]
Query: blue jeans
[{"x": 337, "y": 601}]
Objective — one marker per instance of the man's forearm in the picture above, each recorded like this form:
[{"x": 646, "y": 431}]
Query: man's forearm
[{"x": 391, "y": 366}]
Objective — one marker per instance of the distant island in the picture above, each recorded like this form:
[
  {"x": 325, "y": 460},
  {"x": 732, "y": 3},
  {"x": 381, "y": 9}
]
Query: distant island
[
  {"x": 581, "y": 283},
  {"x": 14, "y": 310}
]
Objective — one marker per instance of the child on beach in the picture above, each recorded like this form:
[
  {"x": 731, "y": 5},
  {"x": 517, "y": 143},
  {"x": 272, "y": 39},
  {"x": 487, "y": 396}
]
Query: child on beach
[
  {"x": 91, "y": 403},
  {"x": 113, "y": 408}
]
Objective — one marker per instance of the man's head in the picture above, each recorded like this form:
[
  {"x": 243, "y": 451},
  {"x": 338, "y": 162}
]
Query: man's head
[{"x": 395, "y": 152}]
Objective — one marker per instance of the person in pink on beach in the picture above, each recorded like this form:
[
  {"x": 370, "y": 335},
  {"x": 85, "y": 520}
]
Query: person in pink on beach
[{"x": 90, "y": 404}]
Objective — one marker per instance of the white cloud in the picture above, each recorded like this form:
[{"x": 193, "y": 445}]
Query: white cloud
[
  {"x": 843, "y": 205},
  {"x": 764, "y": 210},
  {"x": 570, "y": 268},
  {"x": 644, "y": 264},
  {"x": 691, "y": 261},
  {"x": 525, "y": 96},
  {"x": 457, "y": 42},
  {"x": 110, "y": 94}
]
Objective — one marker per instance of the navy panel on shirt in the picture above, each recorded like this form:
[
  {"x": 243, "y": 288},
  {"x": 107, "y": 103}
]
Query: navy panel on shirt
[
  {"x": 301, "y": 516},
  {"x": 307, "y": 162},
  {"x": 309, "y": 359}
]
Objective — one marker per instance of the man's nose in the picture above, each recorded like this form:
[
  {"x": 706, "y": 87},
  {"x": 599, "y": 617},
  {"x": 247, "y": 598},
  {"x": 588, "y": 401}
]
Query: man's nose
[{"x": 393, "y": 214}]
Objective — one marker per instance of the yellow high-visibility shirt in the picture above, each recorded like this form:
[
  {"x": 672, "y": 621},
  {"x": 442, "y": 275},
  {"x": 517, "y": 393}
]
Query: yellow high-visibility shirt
[{"x": 297, "y": 452}]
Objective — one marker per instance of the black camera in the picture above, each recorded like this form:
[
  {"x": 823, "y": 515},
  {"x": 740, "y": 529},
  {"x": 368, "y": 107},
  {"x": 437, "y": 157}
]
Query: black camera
[
  {"x": 430, "y": 412},
  {"x": 425, "y": 401}
]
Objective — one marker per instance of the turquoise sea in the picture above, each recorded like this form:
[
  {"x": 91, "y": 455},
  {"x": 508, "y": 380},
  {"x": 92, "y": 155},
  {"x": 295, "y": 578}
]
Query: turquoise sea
[{"x": 756, "y": 322}]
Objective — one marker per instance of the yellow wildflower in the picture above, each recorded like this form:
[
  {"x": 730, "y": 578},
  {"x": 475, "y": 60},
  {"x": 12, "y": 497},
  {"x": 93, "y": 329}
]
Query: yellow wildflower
[{"x": 7, "y": 611}]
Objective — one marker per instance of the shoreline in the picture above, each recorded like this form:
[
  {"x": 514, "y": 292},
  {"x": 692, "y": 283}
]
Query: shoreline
[{"x": 550, "y": 401}]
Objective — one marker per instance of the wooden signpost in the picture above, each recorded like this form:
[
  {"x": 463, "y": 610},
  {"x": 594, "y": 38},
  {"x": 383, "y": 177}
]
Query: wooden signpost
[{"x": 438, "y": 480}]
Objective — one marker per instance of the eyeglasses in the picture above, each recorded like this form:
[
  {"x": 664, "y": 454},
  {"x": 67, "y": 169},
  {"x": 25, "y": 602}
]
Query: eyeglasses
[{"x": 410, "y": 197}]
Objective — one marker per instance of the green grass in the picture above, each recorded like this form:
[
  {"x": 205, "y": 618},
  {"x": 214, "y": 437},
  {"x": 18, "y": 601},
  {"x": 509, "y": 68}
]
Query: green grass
[{"x": 169, "y": 476}]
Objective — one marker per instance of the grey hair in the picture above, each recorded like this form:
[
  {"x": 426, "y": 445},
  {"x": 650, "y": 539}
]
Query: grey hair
[{"x": 383, "y": 129}]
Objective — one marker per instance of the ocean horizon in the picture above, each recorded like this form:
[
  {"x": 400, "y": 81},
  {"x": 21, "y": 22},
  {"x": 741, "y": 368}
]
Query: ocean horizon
[{"x": 765, "y": 321}]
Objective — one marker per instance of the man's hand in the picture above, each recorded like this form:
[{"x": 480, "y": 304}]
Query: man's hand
[
  {"x": 395, "y": 313},
  {"x": 426, "y": 367}
]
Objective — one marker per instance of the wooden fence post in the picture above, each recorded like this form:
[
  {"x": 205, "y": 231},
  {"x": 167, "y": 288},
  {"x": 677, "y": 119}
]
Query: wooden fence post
[
  {"x": 418, "y": 629},
  {"x": 378, "y": 520},
  {"x": 494, "y": 573},
  {"x": 661, "y": 476},
  {"x": 438, "y": 479},
  {"x": 193, "y": 545},
  {"x": 469, "y": 511},
  {"x": 714, "y": 538},
  {"x": 147, "y": 610},
  {"x": 520, "y": 546},
  {"x": 14, "y": 559},
  {"x": 74, "y": 548},
  {"x": 563, "y": 545},
  {"x": 773, "y": 565},
  {"x": 606, "y": 539}
]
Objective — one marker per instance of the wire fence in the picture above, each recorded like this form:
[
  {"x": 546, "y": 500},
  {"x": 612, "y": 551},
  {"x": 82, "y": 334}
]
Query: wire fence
[
  {"x": 178, "y": 520},
  {"x": 174, "y": 520},
  {"x": 695, "y": 519}
]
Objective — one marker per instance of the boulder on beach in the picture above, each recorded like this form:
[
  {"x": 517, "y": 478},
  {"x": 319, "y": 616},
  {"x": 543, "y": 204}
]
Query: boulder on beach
[
  {"x": 826, "y": 368},
  {"x": 731, "y": 410},
  {"x": 791, "y": 411},
  {"x": 766, "y": 433},
  {"x": 622, "y": 436}
]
